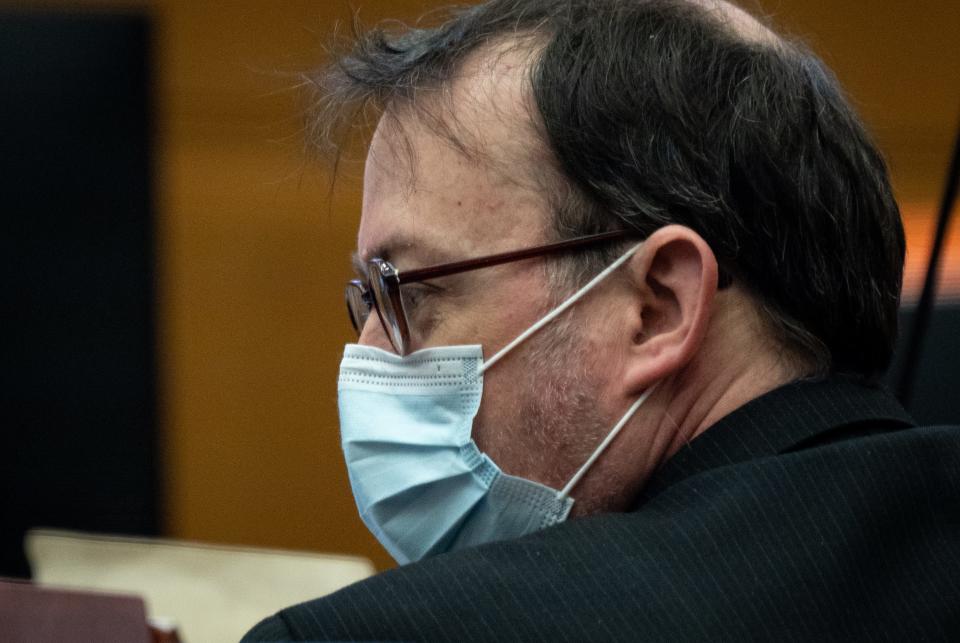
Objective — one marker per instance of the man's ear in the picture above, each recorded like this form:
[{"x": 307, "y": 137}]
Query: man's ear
[{"x": 675, "y": 279}]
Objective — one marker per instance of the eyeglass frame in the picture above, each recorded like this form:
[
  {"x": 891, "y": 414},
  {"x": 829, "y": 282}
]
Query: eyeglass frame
[{"x": 393, "y": 278}]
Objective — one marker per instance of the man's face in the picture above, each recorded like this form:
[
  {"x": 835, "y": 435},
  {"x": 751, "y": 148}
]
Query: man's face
[{"x": 540, "y": 415}]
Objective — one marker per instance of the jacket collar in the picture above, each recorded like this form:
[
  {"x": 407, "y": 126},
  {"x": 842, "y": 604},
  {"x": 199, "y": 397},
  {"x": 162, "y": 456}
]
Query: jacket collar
[{"x": 795, "y": 416}]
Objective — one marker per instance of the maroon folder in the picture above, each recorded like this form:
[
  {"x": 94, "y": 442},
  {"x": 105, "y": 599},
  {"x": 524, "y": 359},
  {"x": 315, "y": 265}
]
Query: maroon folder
[{"x": 38, "y": 614}]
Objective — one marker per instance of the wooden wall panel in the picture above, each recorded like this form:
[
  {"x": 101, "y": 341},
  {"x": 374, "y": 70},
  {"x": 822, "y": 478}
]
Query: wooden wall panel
[{"x": 256, "y": 257}]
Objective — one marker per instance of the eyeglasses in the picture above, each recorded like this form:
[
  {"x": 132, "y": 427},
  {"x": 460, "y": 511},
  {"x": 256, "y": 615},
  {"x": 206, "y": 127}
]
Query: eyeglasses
[{"x": 381, "y": 291}]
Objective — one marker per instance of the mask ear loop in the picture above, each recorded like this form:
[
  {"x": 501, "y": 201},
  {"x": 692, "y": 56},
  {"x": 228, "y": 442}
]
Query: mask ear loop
[
  {"x": 553, "y": 314},
  {"x": 563, "y": 493}
]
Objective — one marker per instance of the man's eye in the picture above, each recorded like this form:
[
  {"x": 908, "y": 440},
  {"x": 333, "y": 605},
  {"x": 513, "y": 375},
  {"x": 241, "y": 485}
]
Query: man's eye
[{"x": 415, "y": 295}]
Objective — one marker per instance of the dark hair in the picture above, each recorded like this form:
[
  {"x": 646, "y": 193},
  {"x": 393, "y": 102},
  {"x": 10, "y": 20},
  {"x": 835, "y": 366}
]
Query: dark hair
[{"x": 658, "y": 112}]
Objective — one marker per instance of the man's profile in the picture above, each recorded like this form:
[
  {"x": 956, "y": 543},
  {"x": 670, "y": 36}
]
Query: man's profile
[{"x": 628, "y": 276}]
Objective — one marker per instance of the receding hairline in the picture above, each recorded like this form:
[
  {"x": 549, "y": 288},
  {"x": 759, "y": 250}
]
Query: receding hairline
[
  {"x": 437, "y": 105},
  {"x": 739, "y": 22},
  {"x": 346, "y": 108},
  {"x": 497, "y": 69}
]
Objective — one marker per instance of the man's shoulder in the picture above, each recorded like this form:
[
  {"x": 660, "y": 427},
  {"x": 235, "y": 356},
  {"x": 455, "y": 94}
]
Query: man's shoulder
[
  {"x": 466, "y": 595},
  {"x": 795, "y": 542}
]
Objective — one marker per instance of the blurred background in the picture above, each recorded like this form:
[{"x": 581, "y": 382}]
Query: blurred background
[{"x": 173, "y": 266}]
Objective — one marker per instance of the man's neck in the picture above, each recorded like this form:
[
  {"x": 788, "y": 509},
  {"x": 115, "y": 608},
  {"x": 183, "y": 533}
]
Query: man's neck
[{"x": 738, "y": 363}]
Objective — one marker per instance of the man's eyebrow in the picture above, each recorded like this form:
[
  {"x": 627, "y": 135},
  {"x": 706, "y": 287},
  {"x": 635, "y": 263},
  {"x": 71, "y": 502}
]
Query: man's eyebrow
[
  {"x": 359, "y": 265},
  {"x": 425, "y": 255},
  {"x": 382, "y": 251}
]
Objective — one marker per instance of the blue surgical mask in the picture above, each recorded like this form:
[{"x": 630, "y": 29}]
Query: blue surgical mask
[{"x": 421, "y": 484}]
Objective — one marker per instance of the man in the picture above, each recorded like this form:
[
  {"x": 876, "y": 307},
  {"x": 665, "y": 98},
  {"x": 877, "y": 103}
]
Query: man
[{"x": 666, "y": 428}]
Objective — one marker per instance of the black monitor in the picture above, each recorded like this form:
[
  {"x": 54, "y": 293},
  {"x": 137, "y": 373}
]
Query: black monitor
[{"x": 78, "y": 428}]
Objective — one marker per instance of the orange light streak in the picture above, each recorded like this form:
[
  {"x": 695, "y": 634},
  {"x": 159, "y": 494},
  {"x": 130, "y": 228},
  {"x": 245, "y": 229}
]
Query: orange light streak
[{"x": 919, "y": 222}]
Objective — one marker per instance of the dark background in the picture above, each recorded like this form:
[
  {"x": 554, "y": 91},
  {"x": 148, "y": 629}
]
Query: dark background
[
  {"x": 936, "y": 393},
  {"x": 77, "y": 381}
]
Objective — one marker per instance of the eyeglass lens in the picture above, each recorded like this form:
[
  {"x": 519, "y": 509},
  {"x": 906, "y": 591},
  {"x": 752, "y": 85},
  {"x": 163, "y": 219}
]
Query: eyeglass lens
[
  {"x": 386, "y": 297},
  {"x": 358, "y": 306}
]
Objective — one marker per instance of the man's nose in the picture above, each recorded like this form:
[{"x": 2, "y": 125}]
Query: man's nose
[{"x": 373, "y": 334}]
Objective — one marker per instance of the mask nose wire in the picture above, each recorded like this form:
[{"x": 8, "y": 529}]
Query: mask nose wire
[{"x": 553, "y": 314}]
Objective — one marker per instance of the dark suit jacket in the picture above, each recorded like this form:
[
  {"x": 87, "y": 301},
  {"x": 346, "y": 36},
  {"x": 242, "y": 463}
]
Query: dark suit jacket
[{"x": 816, "y": 512}]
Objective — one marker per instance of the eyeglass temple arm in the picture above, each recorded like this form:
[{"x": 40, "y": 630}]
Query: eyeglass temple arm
[{"x": 434, "y": 272}]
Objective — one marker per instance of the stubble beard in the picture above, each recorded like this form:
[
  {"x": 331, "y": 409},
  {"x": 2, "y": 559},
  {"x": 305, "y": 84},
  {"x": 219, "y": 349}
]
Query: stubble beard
[{"x": 558, "y": 420}]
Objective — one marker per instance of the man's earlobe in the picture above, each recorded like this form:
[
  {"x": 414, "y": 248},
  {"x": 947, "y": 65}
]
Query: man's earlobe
[{"x": 675, "y": 274}]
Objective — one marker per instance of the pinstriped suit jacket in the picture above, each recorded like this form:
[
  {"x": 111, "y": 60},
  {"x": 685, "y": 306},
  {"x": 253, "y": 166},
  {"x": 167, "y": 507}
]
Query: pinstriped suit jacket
[{"x": 816, "y": 512}]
